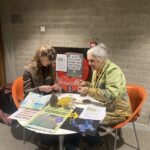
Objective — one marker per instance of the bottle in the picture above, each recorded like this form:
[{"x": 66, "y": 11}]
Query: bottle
[{"x": 69, "y": 88}]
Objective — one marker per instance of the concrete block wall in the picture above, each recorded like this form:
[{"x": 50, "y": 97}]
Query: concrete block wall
[{"x": 123, "y": 25}]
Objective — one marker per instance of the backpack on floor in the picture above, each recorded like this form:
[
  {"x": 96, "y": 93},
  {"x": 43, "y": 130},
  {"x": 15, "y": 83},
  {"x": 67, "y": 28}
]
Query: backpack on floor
[{"x": 7, "y": 105}]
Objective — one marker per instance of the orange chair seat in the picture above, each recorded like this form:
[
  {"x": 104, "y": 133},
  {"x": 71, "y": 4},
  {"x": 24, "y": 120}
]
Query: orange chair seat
[{"x": 18, "y": 91}]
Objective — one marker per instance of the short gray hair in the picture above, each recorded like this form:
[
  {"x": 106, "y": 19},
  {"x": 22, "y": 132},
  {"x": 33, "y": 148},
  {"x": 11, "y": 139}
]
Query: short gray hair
[{"x": 99, "y": 51}]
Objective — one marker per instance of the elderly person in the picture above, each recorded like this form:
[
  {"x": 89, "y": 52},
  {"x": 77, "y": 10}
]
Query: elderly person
[
  {"x": 108, "y": 86},
  {"x": 38, "y": 75}
]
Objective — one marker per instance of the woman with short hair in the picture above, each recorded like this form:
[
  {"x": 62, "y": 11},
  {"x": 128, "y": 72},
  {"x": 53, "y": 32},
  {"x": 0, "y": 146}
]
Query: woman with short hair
[{"x": 108, "y": 87}]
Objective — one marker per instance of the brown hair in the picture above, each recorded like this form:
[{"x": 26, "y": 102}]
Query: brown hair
[{"x": 48, "y": 51}]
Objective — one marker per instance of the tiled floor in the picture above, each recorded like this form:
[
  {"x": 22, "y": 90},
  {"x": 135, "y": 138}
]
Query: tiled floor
[{"x": 8, "y": 141}]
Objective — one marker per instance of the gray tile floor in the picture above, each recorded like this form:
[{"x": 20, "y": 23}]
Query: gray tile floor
[
  {"x": 9, "y": 142},
  {"x": 129, "y": 138}
]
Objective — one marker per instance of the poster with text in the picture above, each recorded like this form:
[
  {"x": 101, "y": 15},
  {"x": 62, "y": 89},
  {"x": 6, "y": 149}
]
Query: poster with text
[
  {"x": 74, "y": 64},
  {"x": 61, "y": 62}
]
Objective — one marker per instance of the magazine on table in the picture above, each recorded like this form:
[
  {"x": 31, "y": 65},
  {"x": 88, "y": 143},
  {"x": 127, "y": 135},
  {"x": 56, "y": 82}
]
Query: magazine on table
[
  {"x": 49, "y": 119},
  {"x": 30, "y": 106},
  {"x": 24, "y": 114},
  {"x": 35, "y": 101},
  {"x": 80, "y": 125}
]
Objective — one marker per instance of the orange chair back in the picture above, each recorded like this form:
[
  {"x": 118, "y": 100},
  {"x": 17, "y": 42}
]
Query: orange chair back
[
  {"x": 17, "y": 91},
  {"x": 137, "y": 95}
]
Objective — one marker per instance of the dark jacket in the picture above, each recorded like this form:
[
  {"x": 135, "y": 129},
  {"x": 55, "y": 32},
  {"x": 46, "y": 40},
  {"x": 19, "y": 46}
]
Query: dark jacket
[{"x": 34, "y": 77}]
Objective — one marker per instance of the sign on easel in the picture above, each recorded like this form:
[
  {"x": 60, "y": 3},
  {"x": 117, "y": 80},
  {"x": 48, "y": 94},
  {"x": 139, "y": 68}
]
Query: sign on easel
[
  {"x": 74, "y": 64},
  {"x": 71, "y": 67},
  {"x": 61, "y": 62}
]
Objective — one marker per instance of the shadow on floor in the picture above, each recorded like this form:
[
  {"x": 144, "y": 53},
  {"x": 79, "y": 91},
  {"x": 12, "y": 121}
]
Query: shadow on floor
[{"x": 32, "y": 137}]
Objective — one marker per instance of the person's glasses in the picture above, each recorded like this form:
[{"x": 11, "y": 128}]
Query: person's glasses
[{"x": 91, "y": 61}]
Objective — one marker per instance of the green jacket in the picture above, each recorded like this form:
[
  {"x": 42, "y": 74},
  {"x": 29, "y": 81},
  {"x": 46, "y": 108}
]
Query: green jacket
[{"x": 109, "y": 87}]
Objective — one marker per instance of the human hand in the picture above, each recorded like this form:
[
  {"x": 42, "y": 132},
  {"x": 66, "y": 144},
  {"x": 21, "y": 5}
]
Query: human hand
[
  {"x": 45, "y": 88},
  {"x": 83, "y": 90},
  {"x": 80, "y": 83},
  {"x": 57, "y": 87}
]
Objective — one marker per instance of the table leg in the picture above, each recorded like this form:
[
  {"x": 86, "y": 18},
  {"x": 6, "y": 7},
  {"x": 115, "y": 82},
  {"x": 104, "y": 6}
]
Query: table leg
[
  {"x": 61, "y": 142},
  {"x": 24, "y": 135}
]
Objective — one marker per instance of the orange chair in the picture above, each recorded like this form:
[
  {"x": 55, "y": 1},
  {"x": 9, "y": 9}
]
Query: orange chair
[
  {"x": 137, "y": 95},
  {"x": 17, "y": 91}
]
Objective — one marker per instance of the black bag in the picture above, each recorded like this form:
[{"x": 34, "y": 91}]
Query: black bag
[{"x": 7, "y": 105}]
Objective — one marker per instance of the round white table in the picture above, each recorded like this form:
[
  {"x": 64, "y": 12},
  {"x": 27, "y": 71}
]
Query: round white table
[{"x": 77, "y": 102}]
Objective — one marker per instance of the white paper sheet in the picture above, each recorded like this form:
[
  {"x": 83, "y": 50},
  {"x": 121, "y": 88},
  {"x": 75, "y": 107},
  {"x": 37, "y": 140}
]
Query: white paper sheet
[
  {"x": 61, "y": 62},
  {"x": 93, "y": 112},
  {"x": 23, "y": 114}
]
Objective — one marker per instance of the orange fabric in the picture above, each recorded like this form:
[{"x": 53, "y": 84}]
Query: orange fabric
[
  {"x": 85, "y": 71},
  {"x": 137, "y": 95},
  {"x": 65, "y": 82},
  {"x": 17, "y": 91}
]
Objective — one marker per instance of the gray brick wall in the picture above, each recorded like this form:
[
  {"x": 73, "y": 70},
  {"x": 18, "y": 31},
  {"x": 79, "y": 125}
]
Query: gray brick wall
[{"x": 123, "y": 25}]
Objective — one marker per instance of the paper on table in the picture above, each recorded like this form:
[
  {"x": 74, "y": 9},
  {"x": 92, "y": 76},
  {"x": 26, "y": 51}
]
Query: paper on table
[
  {"x": 61, "y": 62},
  {"x": 93, "y": 112},
  {"x": 35, "y": 101},
  {"x": 49, "y": 119},
  {"x": 23, "y": 114}
]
